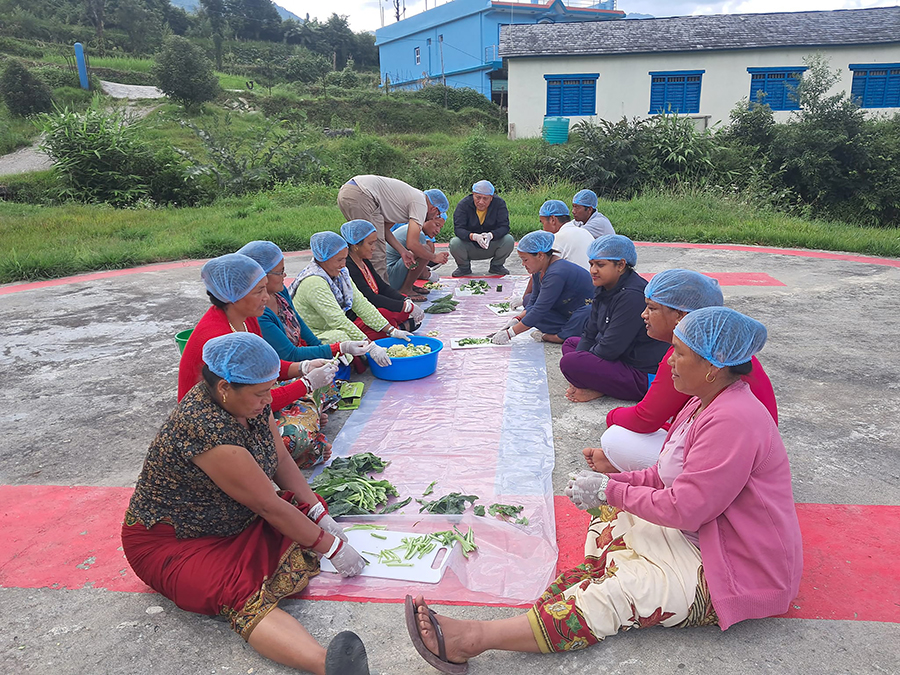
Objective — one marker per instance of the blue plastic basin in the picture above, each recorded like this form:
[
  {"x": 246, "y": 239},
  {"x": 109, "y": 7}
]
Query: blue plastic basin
[{"x": 408, "y": 367}]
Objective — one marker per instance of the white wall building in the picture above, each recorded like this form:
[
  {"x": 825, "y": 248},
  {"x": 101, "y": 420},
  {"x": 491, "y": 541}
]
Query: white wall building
[{"x": 699, "y": 66}]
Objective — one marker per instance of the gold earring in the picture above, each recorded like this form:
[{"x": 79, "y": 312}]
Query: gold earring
[
  {"x": 224, "y": 398},
  {"x": 710, "y": 380}
]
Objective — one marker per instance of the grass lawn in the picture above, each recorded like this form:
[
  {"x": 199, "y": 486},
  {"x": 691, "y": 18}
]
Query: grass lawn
[{"x": 46, "y": 242}]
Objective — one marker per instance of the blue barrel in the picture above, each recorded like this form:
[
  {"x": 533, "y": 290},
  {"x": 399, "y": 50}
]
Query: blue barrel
[{"x": 555, "y": 130}]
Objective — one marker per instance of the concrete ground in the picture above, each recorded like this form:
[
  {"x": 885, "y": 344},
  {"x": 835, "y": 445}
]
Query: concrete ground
[{"x": 90, "y": 373}]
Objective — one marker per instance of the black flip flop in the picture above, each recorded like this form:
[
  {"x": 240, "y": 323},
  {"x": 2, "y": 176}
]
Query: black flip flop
[
  {"x": 439, "y": 660},
  {"x": 346, "y": 655}
]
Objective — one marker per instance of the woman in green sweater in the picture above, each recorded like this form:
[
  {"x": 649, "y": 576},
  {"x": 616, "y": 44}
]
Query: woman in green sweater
[{"x": 328, "y": 300}]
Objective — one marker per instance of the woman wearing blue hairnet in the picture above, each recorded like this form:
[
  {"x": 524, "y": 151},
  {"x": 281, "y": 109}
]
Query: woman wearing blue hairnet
[
  {"x": 635, "y": 435},
  {"x": 207, "y": 529},
  {"x": 614, "y": 356},
  {"x": 561, "y": 292},
  {"x": 394, "y": 306},
  {"x": 236, "y": 286},
  {"x": 325, "y": 295},
  {"x": 708, "y": 536}
]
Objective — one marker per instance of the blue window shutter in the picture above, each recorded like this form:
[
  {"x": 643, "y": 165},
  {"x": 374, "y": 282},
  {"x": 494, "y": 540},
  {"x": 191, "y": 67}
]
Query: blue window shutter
[
  {"x": 657, "y": 95},
  {"x": 858, "y": 88},
  {"x": 589, "y": 96},
  {"x": 757, "y": 85},
  {"x": 675, "y": 94},
  {"x": 571, "y": 97},
  {"x": 892, "y": 92},
  {"x": 692, "y": 94},
  {"x": 554, "y": 97},
  {"x": 875, "y": 89},
  {"x": 779, "y": 86}
]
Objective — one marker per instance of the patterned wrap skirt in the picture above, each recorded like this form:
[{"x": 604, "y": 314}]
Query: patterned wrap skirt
[
  {"x": 635, "y": 575},
  {"x": 299, "y": 427},
  {"x": 241, "y": 578}
]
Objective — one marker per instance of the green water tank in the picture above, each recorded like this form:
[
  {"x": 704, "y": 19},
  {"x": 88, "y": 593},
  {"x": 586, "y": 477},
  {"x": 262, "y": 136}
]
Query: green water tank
[{"x": 555, "y": 130}]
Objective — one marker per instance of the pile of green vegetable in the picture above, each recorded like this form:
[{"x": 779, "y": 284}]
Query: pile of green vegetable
[
  {"x": 348, "y": 489},
  {"x": 473, "y": 341},
  {"x": 442, "y": 305},
  {"x": 476, "y": 287},
  {"x": 405, "y": 350},
  {"x": 502, "y": 306}
]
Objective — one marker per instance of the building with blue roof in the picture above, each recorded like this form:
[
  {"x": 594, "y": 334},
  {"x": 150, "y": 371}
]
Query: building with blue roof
[{"x": 457, "y": 43}]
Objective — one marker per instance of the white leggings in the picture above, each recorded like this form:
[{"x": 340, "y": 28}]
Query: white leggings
[{"x": 630, "y": 451}]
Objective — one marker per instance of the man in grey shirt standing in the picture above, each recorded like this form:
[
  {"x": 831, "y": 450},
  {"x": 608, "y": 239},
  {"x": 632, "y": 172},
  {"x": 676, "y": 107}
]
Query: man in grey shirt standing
[
  {"x": 586, "y": 215},
  {"x": 386, "y": 201}
]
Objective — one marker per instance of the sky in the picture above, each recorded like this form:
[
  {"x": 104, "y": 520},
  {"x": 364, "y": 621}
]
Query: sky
[{"x": 365, "y": 14}]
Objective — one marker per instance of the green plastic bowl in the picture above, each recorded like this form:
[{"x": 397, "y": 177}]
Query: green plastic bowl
[{"x": 182, "y": 338}]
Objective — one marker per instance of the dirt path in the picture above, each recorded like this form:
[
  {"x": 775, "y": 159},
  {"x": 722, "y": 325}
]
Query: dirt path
[{"x": 26, "y": 160}]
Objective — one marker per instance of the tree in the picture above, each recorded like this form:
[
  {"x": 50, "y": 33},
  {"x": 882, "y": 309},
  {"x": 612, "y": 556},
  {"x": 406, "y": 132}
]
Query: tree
[
  {"x": 96, "y": 14},
  {"x": 184, "y": 74},
  {"x": 254, "y": 19},
  {"x": 24, "y": 93},
  {"x": 140, "y": 21},
  {"x": 215, "y": 12}
]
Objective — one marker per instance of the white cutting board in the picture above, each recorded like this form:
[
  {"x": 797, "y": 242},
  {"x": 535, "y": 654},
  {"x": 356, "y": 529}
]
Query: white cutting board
[
  {"x": 454, "y": 344},
  {"x": 421, "y": 570},
  {"x": 501, "y": 312}
]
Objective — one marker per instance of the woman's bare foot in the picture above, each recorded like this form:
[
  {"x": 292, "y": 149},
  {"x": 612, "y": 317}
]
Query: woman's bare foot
[
  {"x": 597, "y": 461},
  {"x": 578, "y": 395},
  {"x": 326, "y": 453},
  {"x": 553, "y": 338},
  {"x": 458, "y": 636}
]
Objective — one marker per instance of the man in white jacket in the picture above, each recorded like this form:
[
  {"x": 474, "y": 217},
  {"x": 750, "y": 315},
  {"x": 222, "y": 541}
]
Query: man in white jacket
[
  {"x": 569, "y": 240},
  {"x": 586, "y": 215}
]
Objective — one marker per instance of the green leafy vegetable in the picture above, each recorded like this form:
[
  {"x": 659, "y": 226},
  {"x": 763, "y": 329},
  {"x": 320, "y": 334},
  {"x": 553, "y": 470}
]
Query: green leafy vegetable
[
  {"x": 508, "y": 512},
  {"x": 442, "y": 305},
  {"x": 476, "y": 287},
  {"x": 395, "y": 507},
  {"x": 454, "y": 503},
  {"x": 429, "y": 489},
  {"x": 502, "y": 306},
  {"x": 473, "y": 341},
  {"x": 479, "y": 510},
  {"x": 347, "y": 488}
]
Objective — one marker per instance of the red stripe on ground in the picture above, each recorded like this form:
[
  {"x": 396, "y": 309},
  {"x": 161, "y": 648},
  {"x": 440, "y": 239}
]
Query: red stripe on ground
[
  {"x": 801, "y": 253},
  {"x": 735, "y": 278},
  {"x": 849, "y": 559},
  {"x": 68, "y": 537},
  {"x": 872, "y": 260}
]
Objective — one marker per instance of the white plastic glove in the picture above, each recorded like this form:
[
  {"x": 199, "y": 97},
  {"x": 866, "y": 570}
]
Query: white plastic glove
[
  {"x": 512, "y": 322},
  {"x": 418, "y": 314},
  {"x": 312, "y": 364},
  {"x": 435, "y": 277},
  {"x": 319, "y": 517},
  {"x": 502, "y": 337},
  {"x": 379, "y": 355},
  {"x": 408, "y": 305},
  {"x": 481, "y": 240},
  {"x": 516, "y": 301},
  {"x": 354, "y": 348},
  {"x": 320, "y": 377},
  {"x": 487, "y": 236},
  {"x": 399, "y": 334},
  {"x": 347, "y": 560},
  {"x": 587, "y": 489}
]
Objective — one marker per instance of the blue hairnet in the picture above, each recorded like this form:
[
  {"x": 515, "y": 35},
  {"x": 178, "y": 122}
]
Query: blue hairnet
[
  {"x": 242, "y": 358},
  {"x": 585, "y": 198},
  {"x": 230, "y": 277},
  {"x": 355, "y": 231},
  {"x": 325, "y": 244},
  {"x": 613, "y": 247},
  {"x": 483, "y": 187},
  {"x": 438, "y": 200},
  {"x": 536, "y": 242},
  {"x": 684, "y": 290},
  {"x": 265, "y": 253},
  {"x": 554, "y": 207},
  {"x": 721, "y": 335}
]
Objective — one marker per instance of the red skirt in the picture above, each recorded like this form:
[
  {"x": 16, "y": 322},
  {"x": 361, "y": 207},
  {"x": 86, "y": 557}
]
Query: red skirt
[
  {"x": 242, "y": 577},
  {"x": 394, "y": 318}
]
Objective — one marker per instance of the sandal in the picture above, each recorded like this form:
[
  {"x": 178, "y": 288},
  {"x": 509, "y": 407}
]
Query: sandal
[
  {"x": 346, "y": 655},
  {"x": 439, "y": 660},
  {"x": 416, "y": 297}
]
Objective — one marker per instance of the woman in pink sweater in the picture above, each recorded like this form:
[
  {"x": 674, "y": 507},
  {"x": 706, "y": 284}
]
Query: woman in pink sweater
[
  {"x": 708, "y": 536},
  {"x": 635, "y": 434}
]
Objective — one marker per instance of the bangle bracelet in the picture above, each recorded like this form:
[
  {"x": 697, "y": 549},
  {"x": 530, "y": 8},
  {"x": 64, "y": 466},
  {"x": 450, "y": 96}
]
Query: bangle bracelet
[
  {"x": 335, "y": 545},
  {"x": 318, "y": 539}
]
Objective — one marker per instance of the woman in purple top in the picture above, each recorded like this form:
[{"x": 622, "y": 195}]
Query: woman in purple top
[{"x": 708, "y": 536}]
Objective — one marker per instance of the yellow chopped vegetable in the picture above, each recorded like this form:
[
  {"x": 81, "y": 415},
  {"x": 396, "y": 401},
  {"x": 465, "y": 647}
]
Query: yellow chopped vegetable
[{"x": 399, "y": 351}]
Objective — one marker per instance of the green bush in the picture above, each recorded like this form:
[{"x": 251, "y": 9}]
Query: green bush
[
  {"x": 75, "y": 98},
  {"x": 57, "y": 76},
  {"x": 184, "y": 74},
  {"x": 478, "y": 160},
  {"x": 102, "y": 157},
  {"x": 14, "y": 47},
  {"x": 456, "y": 98},
  {"x": 38, "y": 187},
  {"x": 24, "y": 93}
]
